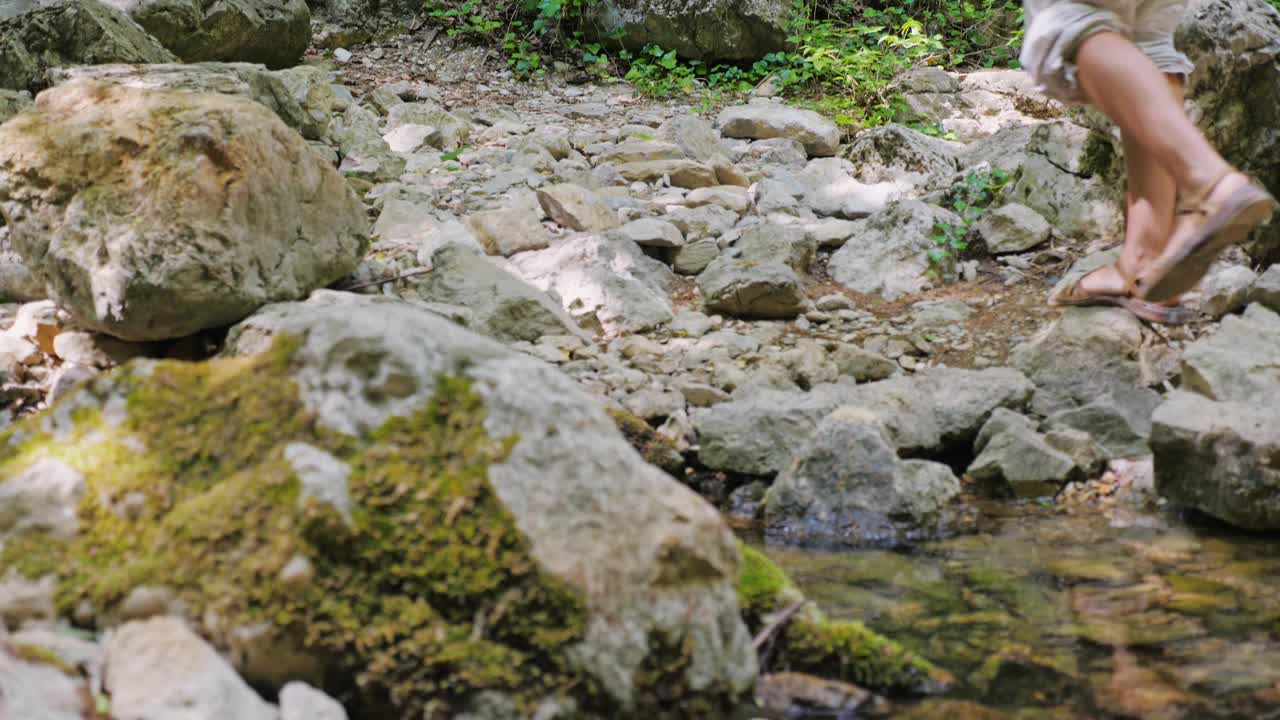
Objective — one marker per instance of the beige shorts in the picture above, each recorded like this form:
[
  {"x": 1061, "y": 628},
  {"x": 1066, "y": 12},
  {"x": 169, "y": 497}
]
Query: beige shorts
[{"x": 1055, "y": 30}]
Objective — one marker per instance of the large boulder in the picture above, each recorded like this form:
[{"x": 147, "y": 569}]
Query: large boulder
[
  {"x": 1216, "y": 442},
  {"x": 887, "y": 254},
  {"x": 709, "y": 30},
  {"x": 1220, "y": 458},
  {"x": 846, "y": 487},
  {"x": 929, "y": 414},
  {"x": 241, "y": 79},
  {"x": 272, "y": 32},
  {"x": 70, "y": 32},
  {"x": 437, "y": 520},
  {"x": 1235, "y": 91},
  {"x": 155, "y": 214}
]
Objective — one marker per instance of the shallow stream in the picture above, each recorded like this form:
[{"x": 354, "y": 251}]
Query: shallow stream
[{"x": 1045, "y": 614}]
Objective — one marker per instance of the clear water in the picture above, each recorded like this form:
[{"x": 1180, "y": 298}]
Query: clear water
[{"x": 1129, "y": 614}]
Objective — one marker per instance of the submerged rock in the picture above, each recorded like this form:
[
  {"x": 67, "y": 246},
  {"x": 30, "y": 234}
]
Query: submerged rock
[
  {"x": 502, "y": 535},
  {"x": 154, "y": 214},
  {"x": 847, "y": 488},
  {"x": 837, "y": 649}
]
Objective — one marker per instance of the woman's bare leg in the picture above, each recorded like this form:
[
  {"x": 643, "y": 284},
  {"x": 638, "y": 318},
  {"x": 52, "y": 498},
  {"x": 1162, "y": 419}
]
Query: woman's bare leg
[
  {"x": 1149, "y": 210},
  {"x": 1120, "y": 80}
]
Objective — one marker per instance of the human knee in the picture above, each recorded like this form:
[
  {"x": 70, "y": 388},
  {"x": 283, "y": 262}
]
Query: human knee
[{"x": 1055, "y": 34}]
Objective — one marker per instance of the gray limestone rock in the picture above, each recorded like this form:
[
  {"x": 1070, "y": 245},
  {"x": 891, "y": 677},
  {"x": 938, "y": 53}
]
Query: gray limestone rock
[
  {"x": 70, "y": 32},
  {"x": 577, "y": 208},
  {"x": 1013, "y": 228},
  {"x": 502, "y": 305},
  {"x": 1219, "y": 457},
  {"x": 895, "y": 153},
  {"x": 1015, "y": 456},
  {"x": 887, "y": 254},
  {"x": 759, "y": 276},
  {"x": 819, "y": 135},
  {"x": 1239, "y": 362},
  {"x": 243, "y": 215},
  {"x": 272, "y": 32},
  {"x": 1085, "y": 354},
  {"x": 847, "y": 488},
  {"x": 616, "y": 283},
  {"x": 926, "y": 414},
  {"x": 1119, "y": 421},
  {"x": 1266, "y": 289}
]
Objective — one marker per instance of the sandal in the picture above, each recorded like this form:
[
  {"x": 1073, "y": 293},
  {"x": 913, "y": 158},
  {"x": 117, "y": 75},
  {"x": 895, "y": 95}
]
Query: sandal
[
  {"x": 1166, "y": 313},
  {"x": 1224, "y": 223}
]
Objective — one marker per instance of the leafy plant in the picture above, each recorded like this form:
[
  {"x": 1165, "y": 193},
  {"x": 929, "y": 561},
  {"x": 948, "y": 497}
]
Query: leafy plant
[{"x": 969, "y": 199}]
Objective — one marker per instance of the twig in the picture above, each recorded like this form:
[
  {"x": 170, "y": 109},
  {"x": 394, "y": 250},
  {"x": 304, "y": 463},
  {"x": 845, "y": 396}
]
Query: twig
[
  {"x": 773, "y": 627},
  {"x": 384, "y": 281}
]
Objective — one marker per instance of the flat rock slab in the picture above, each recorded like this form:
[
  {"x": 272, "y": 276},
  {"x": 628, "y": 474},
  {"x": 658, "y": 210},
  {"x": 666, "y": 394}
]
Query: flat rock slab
[{"x": 819, "y": 136}]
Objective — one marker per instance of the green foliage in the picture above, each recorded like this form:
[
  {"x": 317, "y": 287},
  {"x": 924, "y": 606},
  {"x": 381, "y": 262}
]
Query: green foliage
[
  {"x": 843, "y": 60},
  {"x": 527, "y": 30},
  {"x": 968, "y": 199}
]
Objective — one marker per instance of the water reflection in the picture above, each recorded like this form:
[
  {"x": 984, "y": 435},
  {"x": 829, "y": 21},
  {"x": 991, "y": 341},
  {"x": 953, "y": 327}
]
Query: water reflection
[{"x": 1054, "y": 615}]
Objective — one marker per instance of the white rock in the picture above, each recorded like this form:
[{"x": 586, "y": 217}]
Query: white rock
[
  {"x": 300, "y": 701},
  {"x": 159, "y": 670}
]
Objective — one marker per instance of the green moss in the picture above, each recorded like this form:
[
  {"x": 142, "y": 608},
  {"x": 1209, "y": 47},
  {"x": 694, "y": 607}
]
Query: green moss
[
  {"x": 849, "y": 651},
  {"x": 37, "y": 655},
  {"x": 814, "y": 644},
  {"x": 655, "y": 448},
  {"x": 428, "y": 595},
  {"x": 33, "y": 554},
  {"x": 761, "y": 583}
]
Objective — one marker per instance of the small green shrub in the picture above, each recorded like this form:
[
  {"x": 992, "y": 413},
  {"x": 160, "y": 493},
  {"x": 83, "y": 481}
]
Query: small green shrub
[{"x": 969, "y": 199}]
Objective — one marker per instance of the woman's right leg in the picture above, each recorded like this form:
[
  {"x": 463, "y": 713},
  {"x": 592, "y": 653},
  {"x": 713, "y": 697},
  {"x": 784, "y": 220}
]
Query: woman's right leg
[
  {"x": 1150, "y": 196},
  {"x": 1120, "y": 80}
]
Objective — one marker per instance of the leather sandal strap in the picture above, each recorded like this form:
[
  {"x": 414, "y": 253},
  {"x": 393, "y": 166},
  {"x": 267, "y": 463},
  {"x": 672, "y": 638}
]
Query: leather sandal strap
[{"x": 1197, "y": 206}]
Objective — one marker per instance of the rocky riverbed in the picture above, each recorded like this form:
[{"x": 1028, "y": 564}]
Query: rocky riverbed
[{"x": 371, "y": 382}]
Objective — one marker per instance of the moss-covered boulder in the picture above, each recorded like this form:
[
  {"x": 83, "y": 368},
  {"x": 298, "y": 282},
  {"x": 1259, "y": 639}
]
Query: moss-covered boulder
[
  {"x": 810, "y": 642},
  {"x": 70, "y": 32},
  {"x": 441, "y": 524}
]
